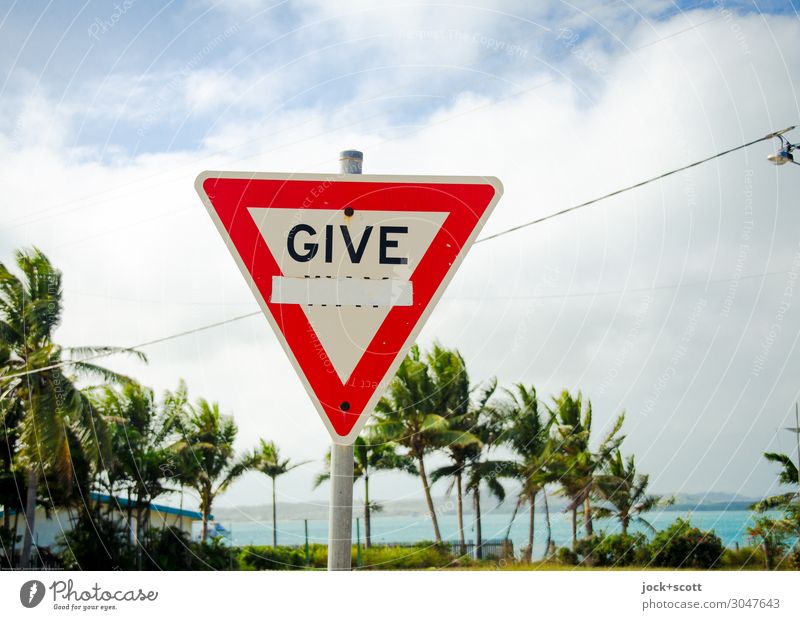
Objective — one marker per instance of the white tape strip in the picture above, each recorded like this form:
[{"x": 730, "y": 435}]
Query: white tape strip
[{"x": 341, "y": 291}]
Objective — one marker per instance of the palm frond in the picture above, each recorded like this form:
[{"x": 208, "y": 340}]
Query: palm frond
[
  {"x": 101, "y": 351},
  {"x": 776, "y": 501},
  {"x": 88, "y": 369},
  {"x": 320, "y": 479},
  {"x": 788, "y": 474}
]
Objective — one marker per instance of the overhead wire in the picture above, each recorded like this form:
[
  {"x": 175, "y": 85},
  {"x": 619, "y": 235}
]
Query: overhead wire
[
  {"x": 544, "y": 218},
  {"x": 518, "y": 227}
]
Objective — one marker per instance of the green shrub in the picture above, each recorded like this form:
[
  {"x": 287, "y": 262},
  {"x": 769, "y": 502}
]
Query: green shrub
[
  {"x": 682, "y": 545},
  {"x": 584, "y": 550},
  {"x": 99, "y": 543},
  {"x": 618, "y": 549},
  {"x": 7, "y": 539},
  {"x": 214, "y": 555},
  {"x": 745, "y": 557},
  {"x": 771, "y": 536},
  {"x": 566, "y": 556},
  {"x": 424, "y": 555},
  {"x": 318, "y": 555},
  {"x": 169, "y": 549},
  {"x": 793, "y": 561},
  {"x": 255, "y": 557},
  {"x": 172, "y": 549},
  {"x": 96, "y": 543}
]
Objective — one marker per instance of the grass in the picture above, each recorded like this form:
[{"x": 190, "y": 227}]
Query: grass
[
  {"x": 429, "y": 556},
  {"x": 555, "y": 566}
]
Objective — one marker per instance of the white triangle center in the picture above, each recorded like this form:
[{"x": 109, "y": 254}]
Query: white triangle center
[{"x": 317, "y": 244}]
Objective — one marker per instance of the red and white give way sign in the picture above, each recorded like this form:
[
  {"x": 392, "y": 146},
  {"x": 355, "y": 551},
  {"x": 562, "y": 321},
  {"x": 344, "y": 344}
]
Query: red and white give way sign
[{"x": 347, "y": 268}]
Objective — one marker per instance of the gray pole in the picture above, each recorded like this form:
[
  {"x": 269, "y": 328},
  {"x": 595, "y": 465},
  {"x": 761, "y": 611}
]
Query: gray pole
[{"x": 340, "y": 523}]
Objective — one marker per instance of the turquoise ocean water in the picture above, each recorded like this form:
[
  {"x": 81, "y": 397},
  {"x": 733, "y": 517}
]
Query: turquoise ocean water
[{"x": 730, "y": 526}]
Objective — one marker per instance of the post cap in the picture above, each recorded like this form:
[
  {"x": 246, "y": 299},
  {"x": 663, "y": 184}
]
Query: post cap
[{"x": 351, "y": 161}]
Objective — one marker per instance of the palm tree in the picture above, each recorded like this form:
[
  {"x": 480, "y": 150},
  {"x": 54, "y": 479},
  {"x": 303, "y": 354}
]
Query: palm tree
[
  {"x": 626, "y": 491},
  {"x": 11, "y": 414},
  {"x": 773, "y": 534},
  {"x": 141, "y": 456},
  {"x": 528, "y": 436},
  {"x": 370, "y": 455},
  {"x": 176, "y": 408},
  {"x": 450, "y": 369},
  {"x": 266, "y": 458},
  {"x": 208, "y": 463},
  {"x": 57, "y": 416},
  {"x": 788, "y": 475},
  {"x": 12, "y": 483},
  {"x": 576, "y": 465},
  {"x": 480, "y": 471},
  {"x": 412, "y": 416}
]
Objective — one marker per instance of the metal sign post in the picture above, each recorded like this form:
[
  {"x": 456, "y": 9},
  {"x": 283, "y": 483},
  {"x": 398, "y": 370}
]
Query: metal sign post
[
  {"x": 340, "y": 518},
  {"x": 340, "y": 522}
]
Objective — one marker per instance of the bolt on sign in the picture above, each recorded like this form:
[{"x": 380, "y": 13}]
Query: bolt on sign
[{"x": 347, "y": 269}]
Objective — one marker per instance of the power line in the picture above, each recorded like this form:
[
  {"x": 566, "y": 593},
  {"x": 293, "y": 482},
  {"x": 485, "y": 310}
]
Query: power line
[
  {"x": 494, "y": 236},
  {"x": 551, "y": 216},
  {"x": 137, "y": 346},
  {"x": 509, "y": 298}
]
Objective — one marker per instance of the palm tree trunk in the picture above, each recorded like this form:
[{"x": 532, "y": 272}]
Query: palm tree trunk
[
  {"x": 478, "y": 532},
  {"x": 531, "y": 526},
  {"x": 181, "y": 505},
  {"x": 139, "y": 520},
  {"x": 574, "y": 527},
  {"x": 547, "y": 522},
  {"x": 437, "y": 535},
  {"x": 14, "y": 538},
  {"x": 205, "y": 508},
  {"x": 367, "y": 529},
  {"x": 30, "y": 517},
  {"x": 513, "y": 516},
  {"x": 129, "y": 509},
  {"x": 274, "y": 517},
  {"x": 624, "y": 526},
  {"x": 460, "y": 515},
  {"x": 587, "y": 517}
]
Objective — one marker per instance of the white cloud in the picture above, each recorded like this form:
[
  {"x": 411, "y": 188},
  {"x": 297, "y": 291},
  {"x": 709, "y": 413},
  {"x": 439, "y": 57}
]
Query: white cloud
[{"x": 142, "y": 260}]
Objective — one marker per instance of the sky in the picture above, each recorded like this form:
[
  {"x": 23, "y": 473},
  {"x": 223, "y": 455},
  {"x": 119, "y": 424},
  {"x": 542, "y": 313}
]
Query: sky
[{"x": 675, "y": 303}]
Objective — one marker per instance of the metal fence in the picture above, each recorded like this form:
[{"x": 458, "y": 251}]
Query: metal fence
[{"x": 487, "y": 550}]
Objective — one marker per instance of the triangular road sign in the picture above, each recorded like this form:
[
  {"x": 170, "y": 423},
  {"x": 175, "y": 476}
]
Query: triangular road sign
[{"x": 347, "y": 269}]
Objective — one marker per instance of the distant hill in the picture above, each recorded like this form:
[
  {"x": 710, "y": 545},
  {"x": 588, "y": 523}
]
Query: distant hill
[
  {"x": 712, "y": 501},
  {"x": 446, "y": 505}
]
